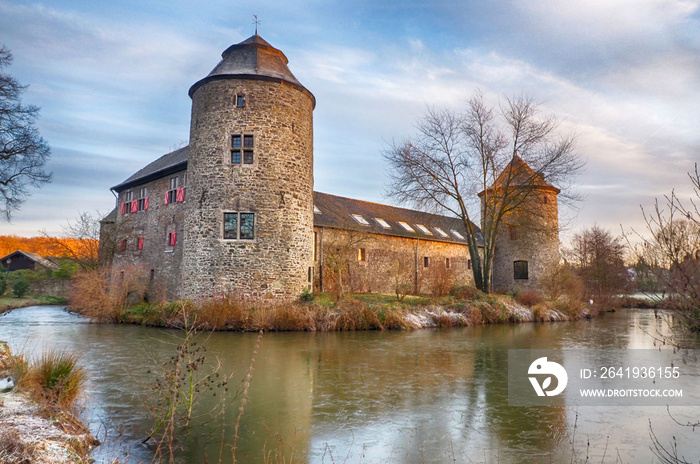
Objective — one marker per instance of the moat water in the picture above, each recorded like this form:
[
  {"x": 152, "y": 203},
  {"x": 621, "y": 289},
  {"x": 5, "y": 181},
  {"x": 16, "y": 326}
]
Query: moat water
[{"x": 362, "y": 397}]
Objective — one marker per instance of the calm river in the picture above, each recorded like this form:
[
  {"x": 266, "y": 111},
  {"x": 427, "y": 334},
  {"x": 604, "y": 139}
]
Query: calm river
[{"x": 436, "y": 396}]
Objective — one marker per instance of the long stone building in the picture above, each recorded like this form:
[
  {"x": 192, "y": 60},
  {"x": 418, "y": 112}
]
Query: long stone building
[{"x": 235, "y": 211}]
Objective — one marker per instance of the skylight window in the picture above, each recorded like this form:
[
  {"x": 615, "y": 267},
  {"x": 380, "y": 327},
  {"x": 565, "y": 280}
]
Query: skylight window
[
  {"x": 383, "y": 223},
  {"x": 441, "y": 232},
  {"x": 457, "y": 234},
  {"x": 406, "y": 226},
  {"x": 360, "y": 219},
  {"x": 424, "y": 229},
  {"x": 316, "y": 210}
]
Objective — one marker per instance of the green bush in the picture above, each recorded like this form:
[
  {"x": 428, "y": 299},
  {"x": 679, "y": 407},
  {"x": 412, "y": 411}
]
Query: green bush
[
  {"x": 20, "y": 288},
  {"x": 307, "y": 295},
  {"x": 3, "y": 282}
]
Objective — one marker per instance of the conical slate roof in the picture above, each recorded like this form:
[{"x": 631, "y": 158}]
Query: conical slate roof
[
  {"x": 519, "y": 174},
  {"x": 254, "y": 58}
]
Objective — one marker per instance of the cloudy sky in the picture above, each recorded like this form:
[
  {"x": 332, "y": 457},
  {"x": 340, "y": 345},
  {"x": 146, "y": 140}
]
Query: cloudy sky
[{"x": 111, "y": 79}]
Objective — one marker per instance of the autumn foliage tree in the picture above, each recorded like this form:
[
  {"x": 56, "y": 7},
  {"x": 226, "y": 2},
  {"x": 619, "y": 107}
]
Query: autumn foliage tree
[{"x": 456, "y": 155}]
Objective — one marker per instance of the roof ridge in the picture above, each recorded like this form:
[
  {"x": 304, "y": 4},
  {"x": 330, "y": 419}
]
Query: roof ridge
[{"x": 388, "y": 206}]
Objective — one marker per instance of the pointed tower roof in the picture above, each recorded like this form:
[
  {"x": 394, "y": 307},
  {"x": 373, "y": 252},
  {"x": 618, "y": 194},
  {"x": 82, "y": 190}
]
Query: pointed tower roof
[
  {"x": 256, "y": 59},
  {"x": 519, "y": 174}
]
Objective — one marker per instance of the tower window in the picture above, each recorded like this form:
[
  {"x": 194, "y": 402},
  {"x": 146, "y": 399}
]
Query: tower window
[
  {"x": 361, "y": 254},
  {"x": 240, "y": 100},
  {"x": 513, "y": 233},
  {"x": 242, "y": 149},
  {"x": 520, "y": 270},
  {"x": 239, "y": 226}
]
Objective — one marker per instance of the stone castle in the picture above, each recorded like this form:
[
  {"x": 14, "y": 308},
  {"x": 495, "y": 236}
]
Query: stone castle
[{"x": 235, "y": 211}]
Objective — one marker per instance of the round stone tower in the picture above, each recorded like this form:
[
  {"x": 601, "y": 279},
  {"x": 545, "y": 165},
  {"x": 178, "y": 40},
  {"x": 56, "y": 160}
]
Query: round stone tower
[
  {"x": 249, "y": 217},
  {"x": 527, "y": 243}
]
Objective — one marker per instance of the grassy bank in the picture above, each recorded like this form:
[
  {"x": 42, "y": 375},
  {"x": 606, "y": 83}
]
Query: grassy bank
[
  {"x": 355, "y": 312},
  {"x": 10, "y": 302}
]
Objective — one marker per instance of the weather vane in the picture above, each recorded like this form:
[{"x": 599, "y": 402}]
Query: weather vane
[{"x": 256, "y": 21}]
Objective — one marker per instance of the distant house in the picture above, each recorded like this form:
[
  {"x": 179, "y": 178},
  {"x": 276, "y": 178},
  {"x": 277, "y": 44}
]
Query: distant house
[{"x": 24, "y": 260}]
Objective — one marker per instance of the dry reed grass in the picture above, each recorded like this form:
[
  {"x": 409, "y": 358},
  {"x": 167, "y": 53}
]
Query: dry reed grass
[{"x": 14, "y": 450}]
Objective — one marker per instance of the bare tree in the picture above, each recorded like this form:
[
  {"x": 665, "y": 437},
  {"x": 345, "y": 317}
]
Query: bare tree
[
  {"x": 670, "y": 249},
  {"x": 23, "y": 152},
  {"x": 504, "y": 154},
  {"x": 80, "y": 241},
  {"x": 598, "y": 257},
  {"x": 342, "y": 249}
]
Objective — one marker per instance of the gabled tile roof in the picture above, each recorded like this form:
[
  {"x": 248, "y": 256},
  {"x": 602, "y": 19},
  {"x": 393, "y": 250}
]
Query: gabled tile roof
[
  {"x": 167, "y": 164},
  {"x": 336, "y": 212}
]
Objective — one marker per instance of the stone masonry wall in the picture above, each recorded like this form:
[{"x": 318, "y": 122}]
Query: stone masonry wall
[
  {"x": 157, "y": 261},
  {"x": 277, "y": 188},
  {"x": 531, "y": 235},
  {"x": 387, "y": 261}
]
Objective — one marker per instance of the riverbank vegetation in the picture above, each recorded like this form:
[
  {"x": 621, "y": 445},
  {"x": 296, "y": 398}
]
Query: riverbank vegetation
[{"x": 103, "y": 299}]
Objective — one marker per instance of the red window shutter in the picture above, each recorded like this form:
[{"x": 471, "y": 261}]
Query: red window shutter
[
  {"x": 166, "y": 197},
  {"x": 123, "y": 209},
  {"x": 172, "y": 238},
  {"x": 134, "y": 206},
  {"x": 145, "y": 203},
  {"x": 180, "y": 195},
  {"x": 140, "y": 243}
]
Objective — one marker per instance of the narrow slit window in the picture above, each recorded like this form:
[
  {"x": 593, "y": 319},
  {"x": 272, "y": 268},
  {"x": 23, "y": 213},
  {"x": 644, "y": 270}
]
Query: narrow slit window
[
  {"x": 361, "y": 254},
  {"x": 426, "y": 261}
]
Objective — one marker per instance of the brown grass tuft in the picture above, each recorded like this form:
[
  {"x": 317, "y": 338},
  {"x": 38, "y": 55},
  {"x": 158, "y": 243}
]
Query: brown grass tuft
[{"x": 529, "y": 298}]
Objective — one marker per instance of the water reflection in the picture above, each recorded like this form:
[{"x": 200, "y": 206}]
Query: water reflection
[{"x": 423, "y": 396}]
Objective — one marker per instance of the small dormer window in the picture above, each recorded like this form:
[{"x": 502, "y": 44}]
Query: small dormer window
[
  {"x": 424, "y": 229},
  {"x": 441, "y": 232},
  {"x": 316, "y": 210},
  {"x": 457, "y": 234},
  {"x": 382, "y": 223},
  {"x": 360, "y": 220},
  {"x": 406, "y": 226},
  {"x": 240, "y": 100}
]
